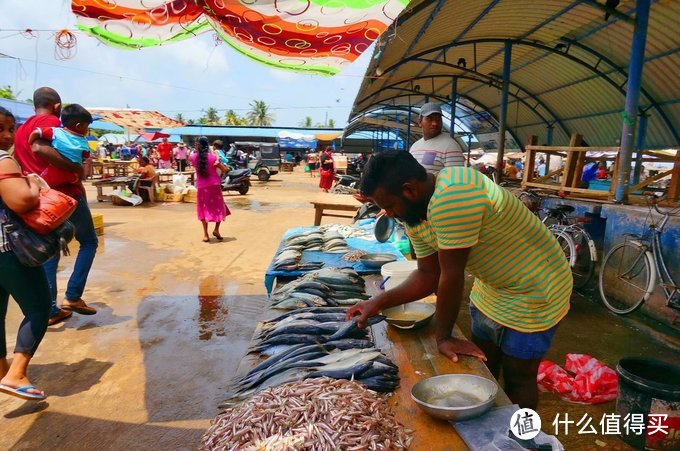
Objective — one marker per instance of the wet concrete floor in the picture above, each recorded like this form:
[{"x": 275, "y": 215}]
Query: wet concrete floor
[{"x": 176, "y": 315}]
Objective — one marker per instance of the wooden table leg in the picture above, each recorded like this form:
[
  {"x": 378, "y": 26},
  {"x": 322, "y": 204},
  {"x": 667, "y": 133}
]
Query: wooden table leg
[
  {"x": 100, "y": 195},
  {"x": 318, "y": 214}
]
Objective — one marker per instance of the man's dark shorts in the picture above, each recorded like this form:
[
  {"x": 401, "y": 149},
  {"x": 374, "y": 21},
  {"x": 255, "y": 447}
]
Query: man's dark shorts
[{"x": 521, "y": 345}]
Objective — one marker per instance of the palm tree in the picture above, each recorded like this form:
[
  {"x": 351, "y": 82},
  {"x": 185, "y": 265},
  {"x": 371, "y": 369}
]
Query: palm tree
[
  {"x": 231, "y": 118},
  {"x": 7, "y": 93},
  {"x": 307, "y": 123},
  {"x": 259, "y": 114},
  {"x": 191, "y": 122},
  {"x": 211, "y": 116},
  {"x": 179, "y": 117},
  {"x": 331, "y": 123}
]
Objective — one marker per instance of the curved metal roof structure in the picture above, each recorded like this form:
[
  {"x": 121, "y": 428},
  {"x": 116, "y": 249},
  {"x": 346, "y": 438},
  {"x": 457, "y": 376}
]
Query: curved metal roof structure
[{"x": 568, "y": 72}]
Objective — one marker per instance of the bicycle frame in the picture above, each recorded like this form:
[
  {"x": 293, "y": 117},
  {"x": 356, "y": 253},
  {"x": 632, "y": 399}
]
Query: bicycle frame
[{"x": 659, "y": 263}]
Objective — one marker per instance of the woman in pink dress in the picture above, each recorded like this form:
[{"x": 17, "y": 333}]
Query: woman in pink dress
[{"x": 210, "y": 205}]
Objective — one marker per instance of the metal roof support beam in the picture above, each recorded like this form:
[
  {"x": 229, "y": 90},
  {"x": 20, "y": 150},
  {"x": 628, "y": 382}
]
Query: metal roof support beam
[
  {"x": 486, "y": 80},
  {"x": 639, "y": 147},
  {"x": 611, "y": 11},
  {"x": 444, "y": 100},
  {"x": 454, "y": 99},
  {"x": 637, "y": 62},
  {"x": 503, "y": 115}
]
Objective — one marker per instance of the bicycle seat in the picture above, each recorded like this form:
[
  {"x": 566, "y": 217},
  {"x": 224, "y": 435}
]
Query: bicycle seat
[{"x": 563, "y": 209}]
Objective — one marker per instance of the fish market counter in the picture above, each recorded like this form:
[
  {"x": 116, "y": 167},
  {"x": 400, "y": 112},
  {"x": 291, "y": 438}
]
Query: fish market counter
[{"x": 415, "y": 353}]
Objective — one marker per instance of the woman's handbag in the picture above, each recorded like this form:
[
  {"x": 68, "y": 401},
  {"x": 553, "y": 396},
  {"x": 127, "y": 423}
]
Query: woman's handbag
[
  {"x": 54, "y": 209},
  {"x": 33, "y": 249}
]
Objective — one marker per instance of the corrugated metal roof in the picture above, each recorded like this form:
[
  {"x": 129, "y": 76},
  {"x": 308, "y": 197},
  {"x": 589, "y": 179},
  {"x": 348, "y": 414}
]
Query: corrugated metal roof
[{"x": 569, "y": 65}]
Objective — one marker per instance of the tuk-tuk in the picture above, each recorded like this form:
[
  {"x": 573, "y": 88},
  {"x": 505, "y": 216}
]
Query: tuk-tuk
[{"x": 263, "y": 159}]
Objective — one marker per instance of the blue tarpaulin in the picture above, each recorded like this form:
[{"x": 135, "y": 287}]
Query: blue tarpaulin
[{"x": 330, "y": 260}]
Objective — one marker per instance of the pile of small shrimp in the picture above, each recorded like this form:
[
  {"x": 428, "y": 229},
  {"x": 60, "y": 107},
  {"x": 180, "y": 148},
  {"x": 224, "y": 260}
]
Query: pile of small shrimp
[{"x": 314, "y": 414}]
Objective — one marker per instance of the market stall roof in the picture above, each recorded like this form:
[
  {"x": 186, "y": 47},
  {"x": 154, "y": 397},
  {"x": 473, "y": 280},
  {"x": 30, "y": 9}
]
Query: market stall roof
[
  {"x": 243, "y": 131},
  {"x": 569, "y": 66},
  {"x": 135, "y": 119}
]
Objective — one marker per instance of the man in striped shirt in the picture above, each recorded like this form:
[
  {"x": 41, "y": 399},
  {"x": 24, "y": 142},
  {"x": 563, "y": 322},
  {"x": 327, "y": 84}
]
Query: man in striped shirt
[
  {"x": 435, "y": 150},
  {"x": 460, "y": 220}
]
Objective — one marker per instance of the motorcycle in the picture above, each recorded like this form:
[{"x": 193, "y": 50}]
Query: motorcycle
[
  {"x": 345, "y": 184},
  {"x": 237, "y": 180},
  {"x": 356, "y": 166}
]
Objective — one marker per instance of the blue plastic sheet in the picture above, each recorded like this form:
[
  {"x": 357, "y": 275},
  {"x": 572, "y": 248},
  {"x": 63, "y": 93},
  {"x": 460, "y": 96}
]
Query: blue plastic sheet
[{"x": 330, "y": 260}]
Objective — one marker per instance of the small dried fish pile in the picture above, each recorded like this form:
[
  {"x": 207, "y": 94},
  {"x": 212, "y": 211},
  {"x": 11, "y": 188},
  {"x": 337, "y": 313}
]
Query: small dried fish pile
[
  {"x": 315, "y": 414},
  {"x": 324, "y": 287},
  {"x": 353, "y": 256},
  {"x": 346, "y": 231}
]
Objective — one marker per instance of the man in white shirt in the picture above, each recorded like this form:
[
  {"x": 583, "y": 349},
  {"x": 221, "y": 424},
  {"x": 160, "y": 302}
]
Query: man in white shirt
[{"x": 435, "y": 150}]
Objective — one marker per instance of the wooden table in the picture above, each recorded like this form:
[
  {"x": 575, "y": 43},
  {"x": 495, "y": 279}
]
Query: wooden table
[
  {"x": 166, "y": 177},
  {"x": 119, "y": 168},
  {"x": 337, "y": 202},
  {"x": 416, "y": 355},
  {"x": 114, "y": 183}
]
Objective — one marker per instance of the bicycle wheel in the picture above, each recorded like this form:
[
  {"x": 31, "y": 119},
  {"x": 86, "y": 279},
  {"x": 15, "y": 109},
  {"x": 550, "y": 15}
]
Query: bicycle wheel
[
  {"x": 627, "y": 277},
  {"x": 584, "y": 264},
  {"x": 566, "y": 242}
]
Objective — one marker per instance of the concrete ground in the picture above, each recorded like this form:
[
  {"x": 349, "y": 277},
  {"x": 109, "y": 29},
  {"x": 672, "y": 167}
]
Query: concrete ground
[{"x": 176, "y": 316}]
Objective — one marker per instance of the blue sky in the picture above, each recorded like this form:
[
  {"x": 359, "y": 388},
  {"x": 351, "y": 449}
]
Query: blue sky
[{"x": 184, "y": 77}]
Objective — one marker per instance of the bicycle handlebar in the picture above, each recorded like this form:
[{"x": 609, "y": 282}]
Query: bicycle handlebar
[{"x": 654, "y": 200}]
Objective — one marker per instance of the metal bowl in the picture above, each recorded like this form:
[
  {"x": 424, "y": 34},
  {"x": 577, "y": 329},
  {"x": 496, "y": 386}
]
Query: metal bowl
[
  {"x": 410, "y": 316},
  {"x": 455, "y": 396},
  {"x": 377, "y": 260}
]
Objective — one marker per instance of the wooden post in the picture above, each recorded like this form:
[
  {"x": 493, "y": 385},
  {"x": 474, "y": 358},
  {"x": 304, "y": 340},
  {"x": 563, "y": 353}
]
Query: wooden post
[
  {"x": 674, "y": 187},
  {"x": 572, "y": 162},
  {"x": 529, "y": 160}
]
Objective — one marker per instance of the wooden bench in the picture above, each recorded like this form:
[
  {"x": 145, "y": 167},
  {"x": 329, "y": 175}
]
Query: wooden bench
[{"x": 321, "y": 206}]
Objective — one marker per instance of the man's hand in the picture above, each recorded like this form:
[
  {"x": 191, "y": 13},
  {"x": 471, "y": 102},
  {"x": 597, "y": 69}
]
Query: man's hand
[
  {"x": 451, "y": 347},
  {"x": 364, "y": 310}
]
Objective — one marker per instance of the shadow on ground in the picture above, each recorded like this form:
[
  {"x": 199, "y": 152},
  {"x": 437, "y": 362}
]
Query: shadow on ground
[{"x": 85, "y": 433}]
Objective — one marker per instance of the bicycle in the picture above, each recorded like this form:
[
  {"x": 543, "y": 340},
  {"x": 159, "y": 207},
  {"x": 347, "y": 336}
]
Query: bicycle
[
  {"x": 630, "y": 269},
  {"x": 576, "y": 243}
]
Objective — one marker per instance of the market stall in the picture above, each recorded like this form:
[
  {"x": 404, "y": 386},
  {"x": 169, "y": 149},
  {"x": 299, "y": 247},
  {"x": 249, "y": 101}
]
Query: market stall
[{"x": 292, "y": 386}]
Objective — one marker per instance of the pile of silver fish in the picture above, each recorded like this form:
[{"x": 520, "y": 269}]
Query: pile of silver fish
[
  {"x": 316, "y": 414},
  {"x": 290, "y": 253},
  {"x": 317, "y": 342},
  {"x": 324, "y": 287}
]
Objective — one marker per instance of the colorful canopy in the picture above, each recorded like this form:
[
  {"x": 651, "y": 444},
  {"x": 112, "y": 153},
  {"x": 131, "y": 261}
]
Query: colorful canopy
[
  {"x": 135, "y": 119},
  {"x": 317, "y": 36}
]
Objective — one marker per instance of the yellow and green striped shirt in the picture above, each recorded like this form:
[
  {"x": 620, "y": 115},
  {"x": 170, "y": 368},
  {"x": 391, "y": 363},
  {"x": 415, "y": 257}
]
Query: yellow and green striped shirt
[{"x": 522, "y": 279}]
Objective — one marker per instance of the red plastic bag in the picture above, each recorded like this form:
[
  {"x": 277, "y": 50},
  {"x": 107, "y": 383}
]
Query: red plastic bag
[{"x": 584, "y": 379}]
